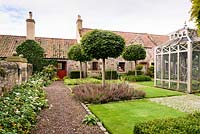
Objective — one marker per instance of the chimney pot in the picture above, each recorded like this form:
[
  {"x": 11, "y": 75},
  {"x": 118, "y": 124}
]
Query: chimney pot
[{"x": 30, "y": 15}]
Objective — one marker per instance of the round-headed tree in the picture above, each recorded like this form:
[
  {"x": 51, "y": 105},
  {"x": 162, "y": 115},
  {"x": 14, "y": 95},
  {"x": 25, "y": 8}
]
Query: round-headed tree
[
  {"x": 102, "y": 44},
  {"x": 134, "y": 52},
  {"x": 195, "y": 13},
  {"x": 76, "y": 53},
  {"x": 33, "y": 52}
]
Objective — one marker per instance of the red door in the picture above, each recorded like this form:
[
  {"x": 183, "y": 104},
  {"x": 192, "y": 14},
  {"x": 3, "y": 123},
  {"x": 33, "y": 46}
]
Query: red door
[{"x": 61, "y": 67}]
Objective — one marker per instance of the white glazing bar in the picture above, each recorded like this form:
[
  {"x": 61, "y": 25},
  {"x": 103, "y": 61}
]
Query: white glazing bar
[
  {"x": 155, "y": 66},
  {"x": 189, "y": 78},
  {"x": 178, "y": 70}
]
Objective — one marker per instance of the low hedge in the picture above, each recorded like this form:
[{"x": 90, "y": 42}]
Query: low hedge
[
  {"x": 81, "y": 81},
  {"x": 75, "y": 74},
  {"x": 111, "y": 75},
  {"x": 137, "y": 78},
  {"x": 189, "y": 124},
  {"x": 139, "y": 72}
]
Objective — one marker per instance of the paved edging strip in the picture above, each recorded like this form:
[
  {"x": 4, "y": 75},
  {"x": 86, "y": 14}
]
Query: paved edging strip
[{"x": 98, "y": 123}]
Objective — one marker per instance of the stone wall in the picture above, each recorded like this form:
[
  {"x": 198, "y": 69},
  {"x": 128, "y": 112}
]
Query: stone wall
[{"x": 15, "y": 73}]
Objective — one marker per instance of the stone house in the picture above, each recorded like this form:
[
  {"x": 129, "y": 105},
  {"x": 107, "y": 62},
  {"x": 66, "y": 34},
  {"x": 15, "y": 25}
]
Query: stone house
[
  {"x": 56, "y": 48},
  {"x": 148, "y": 41}
]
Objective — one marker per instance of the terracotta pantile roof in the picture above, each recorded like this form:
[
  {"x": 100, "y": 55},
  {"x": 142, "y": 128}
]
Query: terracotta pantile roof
[
  {"x": 54, "y": 47},
  {"x": 148, "y": 40}
]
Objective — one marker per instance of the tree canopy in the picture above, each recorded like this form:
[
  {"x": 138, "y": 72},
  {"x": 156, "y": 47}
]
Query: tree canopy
[
  {"x": 76, "y": 53},
  {"x": 195, "y": 12},
  {"x": 33, "y": 52},
  {"x": 133, "y": 53},
  {"x": 102, "y": 44}
]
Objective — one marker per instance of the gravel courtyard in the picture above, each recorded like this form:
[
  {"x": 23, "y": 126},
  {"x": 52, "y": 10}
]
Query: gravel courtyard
[
  {"x": 186, "y": 103},
  {"x": 64, "y": 115}
]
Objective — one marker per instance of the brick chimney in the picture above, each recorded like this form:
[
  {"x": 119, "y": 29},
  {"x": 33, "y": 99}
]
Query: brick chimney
[
  {"x": 78, "y": 28},
  {"x": 30, "y": 27}
]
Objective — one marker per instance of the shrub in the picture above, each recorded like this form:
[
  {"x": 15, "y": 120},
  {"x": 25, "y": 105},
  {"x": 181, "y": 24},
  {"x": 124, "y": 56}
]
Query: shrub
[
  {"x": 19, "y": 108},
  {"x": 189, "y": 124},
  {"x": 133, "y": 78},
  {"x": 150, "y": 71},
  {"x": 139, "y": 67},
  {"x": 93, "y": 93},
  {"x": 111, "y": 75},
  {"x": 139, "y": 72},
  {"x": 75, "y": 74},
  {"x": 33, "y": 52}
]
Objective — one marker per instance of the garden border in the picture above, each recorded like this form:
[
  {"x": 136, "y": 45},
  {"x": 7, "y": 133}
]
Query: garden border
[{"x": 100, "y": 125}]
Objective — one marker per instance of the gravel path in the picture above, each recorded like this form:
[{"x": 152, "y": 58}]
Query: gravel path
[
  {"x": 65, "y": 114},
  {"x": 186, "y": 103}
]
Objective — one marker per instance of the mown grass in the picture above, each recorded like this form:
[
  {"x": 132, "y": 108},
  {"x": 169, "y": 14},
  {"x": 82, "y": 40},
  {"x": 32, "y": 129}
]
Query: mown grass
[{"x": 120, "y": 118}]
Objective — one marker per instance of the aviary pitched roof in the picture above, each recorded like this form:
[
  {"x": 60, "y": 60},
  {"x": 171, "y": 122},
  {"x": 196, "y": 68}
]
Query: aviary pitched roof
[
  {"x": 148, "y": 40},
  {"x": 54, "y": 47}
]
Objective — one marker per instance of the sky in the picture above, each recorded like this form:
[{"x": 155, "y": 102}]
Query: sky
[{"x": 57, "y": 18}]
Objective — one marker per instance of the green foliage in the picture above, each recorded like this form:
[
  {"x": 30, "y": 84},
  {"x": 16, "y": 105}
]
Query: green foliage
[
  {"x": 195, "y": 12},
  {"x": 102, "y": 44},
  {"x": 189, "y": 124},
  {"x": 75, "y": 74},
  {"x": 2, "y": 72},
  {"x": 49, "y": 71},
  {"x": 94, "y": 93},
  {"x": 81, "y": 81},
  {"x": 33, "y": 52},
  {"x": 133, "y": 72},
  {"x": 76, "y": 53},
  {"x": 134, "y": 53},
  {"x": 90, "y": 120},
  {"x": 19, "y": 108},
  {"x": 139, "y": 67},
  {"x": 150, "y": 71},
  {"x": 121, "y": 117},
  {"x": 132, "y": 78},
  {"x": 111, "y": 75},
  {"x": 47, "y": 62}
]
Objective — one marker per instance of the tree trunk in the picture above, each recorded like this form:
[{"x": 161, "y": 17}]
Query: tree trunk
[
  {"x": 81, "y": 70},
  {"x": 85, "y": 72},
  {"x": 103, "y": 73},
  {"x": 135, "y": 68}
]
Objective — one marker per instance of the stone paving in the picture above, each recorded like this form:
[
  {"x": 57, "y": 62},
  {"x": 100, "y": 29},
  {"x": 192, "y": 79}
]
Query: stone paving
[{"x": 186, "y": 103}]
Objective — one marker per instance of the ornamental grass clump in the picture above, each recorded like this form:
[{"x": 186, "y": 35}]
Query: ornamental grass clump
[{"x": 95, "y": 93}]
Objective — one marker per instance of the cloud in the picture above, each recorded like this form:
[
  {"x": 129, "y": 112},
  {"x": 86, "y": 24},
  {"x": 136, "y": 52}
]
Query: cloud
[{"x": 57, "y": 18}]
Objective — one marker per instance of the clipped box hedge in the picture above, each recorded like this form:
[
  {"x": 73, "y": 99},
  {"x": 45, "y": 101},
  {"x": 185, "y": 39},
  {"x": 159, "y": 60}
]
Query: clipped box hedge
[
  {"x": 75, "y": 74},
  {"x": 139, "y": 72},
  {"x": 189, "y": 124},
  {"x": 111, "y": 75},
  {"x": 137, "y": 78}
]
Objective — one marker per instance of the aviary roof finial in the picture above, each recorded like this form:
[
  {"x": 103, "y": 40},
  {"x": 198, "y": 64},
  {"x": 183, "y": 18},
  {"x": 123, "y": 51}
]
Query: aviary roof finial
[{"x": 185, "y": 24}]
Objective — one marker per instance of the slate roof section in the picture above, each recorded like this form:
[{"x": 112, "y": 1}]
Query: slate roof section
[
  {"x": 54, "y": 47},
  {"x": 147, "y": 40}
]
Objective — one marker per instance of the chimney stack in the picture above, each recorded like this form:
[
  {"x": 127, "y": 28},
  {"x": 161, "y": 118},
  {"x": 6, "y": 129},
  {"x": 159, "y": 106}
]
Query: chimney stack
[
  {"x": 79, "y": 23},
  {"x": 30, "y": 27},
  {"x": 78, "y": 28}
]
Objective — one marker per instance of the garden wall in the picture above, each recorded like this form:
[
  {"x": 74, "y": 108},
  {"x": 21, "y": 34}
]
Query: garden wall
[{"x": 13, "y": 73}]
